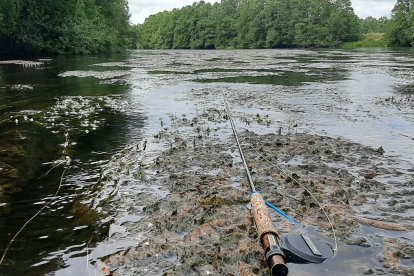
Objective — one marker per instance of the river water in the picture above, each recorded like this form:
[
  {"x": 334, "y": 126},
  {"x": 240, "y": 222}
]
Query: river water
[{"x": 66, "y": 123}]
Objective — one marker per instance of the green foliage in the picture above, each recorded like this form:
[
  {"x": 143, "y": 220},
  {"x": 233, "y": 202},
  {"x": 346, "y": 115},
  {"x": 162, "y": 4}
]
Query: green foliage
[
  {"x": 8, "y": 15},
  {"x": 401, "y": 32},
  {"x": 374, "y": 25},
  {"x": 63, "y": 26},
  {"x": 251, "y": 24},
  {"x": 372, "y": 40}
]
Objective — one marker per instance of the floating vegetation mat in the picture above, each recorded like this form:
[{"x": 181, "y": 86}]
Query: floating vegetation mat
[{"x": 203, "y": 225}]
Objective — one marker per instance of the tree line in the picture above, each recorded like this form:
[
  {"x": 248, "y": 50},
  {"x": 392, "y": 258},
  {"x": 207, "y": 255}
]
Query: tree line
[
  {"x": 271, "y": 24},
  {"x": 251, "y": 24},
  {"x": 374, "y": 25},
  {"x": 98, "y": 26},
  {"x": 63, "y": 26}
]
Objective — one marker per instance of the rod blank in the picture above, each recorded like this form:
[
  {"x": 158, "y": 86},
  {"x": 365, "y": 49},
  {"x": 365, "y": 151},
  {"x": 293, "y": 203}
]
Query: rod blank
[{"x": 268, "y": 234}]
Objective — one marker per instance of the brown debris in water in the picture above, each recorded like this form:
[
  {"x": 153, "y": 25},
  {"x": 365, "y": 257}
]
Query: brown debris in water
[
  {"x": 394, "y": 254},
  {"x": 204, "y": 226},
  {"x": 84, "y": 213},
  {"x": 384, "y": 225}
]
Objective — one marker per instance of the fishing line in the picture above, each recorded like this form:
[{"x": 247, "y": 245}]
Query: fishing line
[
  {"x": 88, "y": 245},
  {"x": 32, "y": 218},
  {"x": 58, "y": 163},
  {"x": 249, "y": 176},
  {"x": 290, "y": 176}
]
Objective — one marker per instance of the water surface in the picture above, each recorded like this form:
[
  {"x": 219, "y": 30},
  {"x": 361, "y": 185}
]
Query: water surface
[{"x": 96, "y": 110}]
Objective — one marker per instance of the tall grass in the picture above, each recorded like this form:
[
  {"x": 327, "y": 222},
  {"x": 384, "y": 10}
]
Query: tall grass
[{"x": 371, "y": 40}]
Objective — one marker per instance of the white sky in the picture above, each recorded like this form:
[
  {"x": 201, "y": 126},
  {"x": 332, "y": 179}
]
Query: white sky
[{"x": 141, "y": 9}]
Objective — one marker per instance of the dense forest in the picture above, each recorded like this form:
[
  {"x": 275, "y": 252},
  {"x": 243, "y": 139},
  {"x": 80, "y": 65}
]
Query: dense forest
[
  {"x": 97, "y": 26},
  {"x": 63, "y": 26},
  {"x": 251, "y": 24},
  {"x": 273, "y": 24},
  {"x": 401, "y": 32}
]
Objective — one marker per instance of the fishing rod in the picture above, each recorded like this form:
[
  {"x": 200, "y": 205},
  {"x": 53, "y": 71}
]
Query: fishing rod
[
  {"x": 296, "y": 247},
  {"x": 268, "y": 235}
]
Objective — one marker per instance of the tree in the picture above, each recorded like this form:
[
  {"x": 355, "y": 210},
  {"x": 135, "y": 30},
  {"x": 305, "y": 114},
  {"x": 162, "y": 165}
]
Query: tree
[
  {"x": 401, "y": 32},
  {"x": 374, "y": 25},
  {"x": 63, "y": 26},
  {"x": 9, "y": 11},
  {"x": 252, "y": 24}
]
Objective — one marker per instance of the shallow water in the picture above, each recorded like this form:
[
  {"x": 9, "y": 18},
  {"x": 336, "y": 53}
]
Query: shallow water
[{"x": 98, "y": 111}]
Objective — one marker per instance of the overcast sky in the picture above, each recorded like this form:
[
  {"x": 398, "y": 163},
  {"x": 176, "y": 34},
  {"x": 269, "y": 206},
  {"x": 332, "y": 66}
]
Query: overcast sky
[{"x": 141, "y": 9}]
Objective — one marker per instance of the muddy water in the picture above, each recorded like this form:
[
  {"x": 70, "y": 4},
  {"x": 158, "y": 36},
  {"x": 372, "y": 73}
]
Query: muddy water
[{"x": 152, "y": 171}]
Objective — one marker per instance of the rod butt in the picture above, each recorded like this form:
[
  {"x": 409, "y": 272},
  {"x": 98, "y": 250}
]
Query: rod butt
[{"x": 279, "y": 270}]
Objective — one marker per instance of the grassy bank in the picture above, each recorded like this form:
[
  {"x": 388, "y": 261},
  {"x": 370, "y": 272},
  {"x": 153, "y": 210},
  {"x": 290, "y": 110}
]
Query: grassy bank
[{"x": 371, "y": 40}]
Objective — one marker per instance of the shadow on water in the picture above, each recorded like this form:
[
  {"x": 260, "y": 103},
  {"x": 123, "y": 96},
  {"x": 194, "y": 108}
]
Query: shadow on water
[
  {"x": 32, "y": 132},
  {"x": 292, "y": 79},
  {"x": 286, "y": 78},
  {"x": 289, "y": 78},
  {"x": 36, "y": 87},
  {"x": 232, "y": 70},
  {"x": 165, "y": 72}
]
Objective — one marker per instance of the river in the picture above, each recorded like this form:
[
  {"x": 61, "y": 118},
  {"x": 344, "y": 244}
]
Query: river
[{"x": 73, "y": 125}]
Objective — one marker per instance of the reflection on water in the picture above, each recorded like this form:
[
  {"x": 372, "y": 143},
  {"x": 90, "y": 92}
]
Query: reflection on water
[
  {"x": 100, "y": 110},
  {"x": 57, "y": 117}
]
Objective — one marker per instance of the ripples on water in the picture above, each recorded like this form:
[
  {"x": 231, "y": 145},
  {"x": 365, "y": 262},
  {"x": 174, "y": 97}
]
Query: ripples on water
[{"x": 102, "y": 112}]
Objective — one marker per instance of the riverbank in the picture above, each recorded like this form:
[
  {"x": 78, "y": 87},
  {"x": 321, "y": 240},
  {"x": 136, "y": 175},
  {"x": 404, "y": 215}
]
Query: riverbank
[{"x": 371, "y": 40}]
